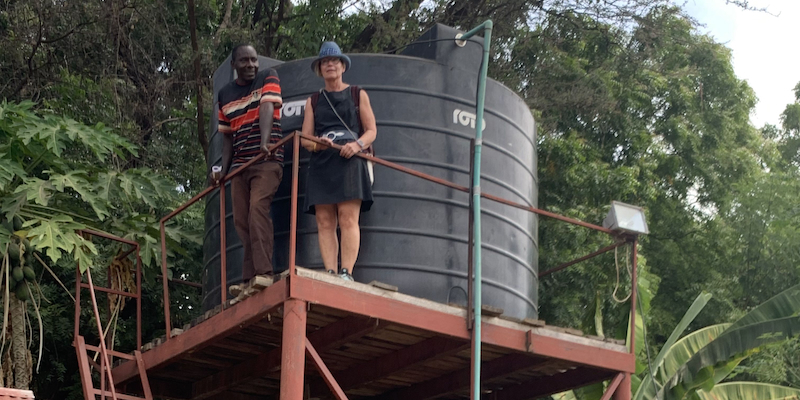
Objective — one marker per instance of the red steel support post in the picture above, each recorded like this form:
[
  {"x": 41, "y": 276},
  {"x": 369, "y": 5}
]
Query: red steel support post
[
  {"x": 624, "y": 390},
  {"x": 223, "y": 247},
  {"x": 293, "y": 214},
  {"x": 164, "y": 281},
  {"x": 293, "y": 349},
  {"x": 138, "y": 299},
  {"x": 77, "y": 301}
]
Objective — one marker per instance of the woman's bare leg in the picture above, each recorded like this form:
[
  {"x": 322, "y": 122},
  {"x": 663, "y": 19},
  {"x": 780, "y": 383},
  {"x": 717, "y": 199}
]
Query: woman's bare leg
[
  {"x": 328, "y": 243},
  {"x": 349, "y": 212}
]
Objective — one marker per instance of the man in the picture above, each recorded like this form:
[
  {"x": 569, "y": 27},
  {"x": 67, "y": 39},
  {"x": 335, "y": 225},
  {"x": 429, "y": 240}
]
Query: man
[{"x": 249, "y": 119}]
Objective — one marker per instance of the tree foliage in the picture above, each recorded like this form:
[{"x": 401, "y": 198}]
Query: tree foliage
[{"x": 633, "y": 104}]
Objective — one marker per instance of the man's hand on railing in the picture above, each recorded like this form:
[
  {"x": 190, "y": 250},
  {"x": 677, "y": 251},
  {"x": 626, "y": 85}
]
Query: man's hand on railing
[
  {"x": 265, "y": 148},
  {"x": 216, "y": 175}
]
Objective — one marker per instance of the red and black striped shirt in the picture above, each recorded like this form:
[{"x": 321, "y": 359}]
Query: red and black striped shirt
[{"x": 238, "y": 115}]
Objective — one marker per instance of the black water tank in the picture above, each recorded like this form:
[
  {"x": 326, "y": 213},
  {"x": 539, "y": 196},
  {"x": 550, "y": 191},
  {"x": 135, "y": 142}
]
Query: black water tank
[{"x": 415, "y": 236}]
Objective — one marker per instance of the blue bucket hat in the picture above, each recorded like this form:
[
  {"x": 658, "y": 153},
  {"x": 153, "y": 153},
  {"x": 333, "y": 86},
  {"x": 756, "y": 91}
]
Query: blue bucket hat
[{"x": 330, "y": 49}]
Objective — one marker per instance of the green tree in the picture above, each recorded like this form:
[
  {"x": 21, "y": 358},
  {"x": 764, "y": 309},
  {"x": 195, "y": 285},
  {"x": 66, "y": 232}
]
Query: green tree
[{"x": 58, "y": 176}]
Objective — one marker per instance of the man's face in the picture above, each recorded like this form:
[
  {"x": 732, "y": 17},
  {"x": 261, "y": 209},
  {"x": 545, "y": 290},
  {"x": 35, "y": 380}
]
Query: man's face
[{"x": 246, "y": 63}]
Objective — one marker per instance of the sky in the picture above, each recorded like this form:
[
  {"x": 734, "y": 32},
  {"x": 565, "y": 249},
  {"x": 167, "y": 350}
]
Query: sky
[{"x": 764, "y": 47}]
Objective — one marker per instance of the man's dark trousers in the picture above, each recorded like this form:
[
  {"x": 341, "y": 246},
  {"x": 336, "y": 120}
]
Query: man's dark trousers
[{"x": 252, "y": 192}]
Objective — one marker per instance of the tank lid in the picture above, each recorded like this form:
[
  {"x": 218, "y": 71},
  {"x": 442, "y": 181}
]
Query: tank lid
[{"x": 434, "y": 45}]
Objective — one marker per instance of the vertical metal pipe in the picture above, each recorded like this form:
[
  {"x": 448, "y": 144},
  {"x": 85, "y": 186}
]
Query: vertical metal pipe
[
  {"x": 634, "y": 290},
  {"x": 167, "y": 321},
  {"x": 293, "y": 349},
  {"x": 471, "y": 268},
  {"x": 223, "y": 246},
  {"x": 470, "y": 241},
  {"x": 293, "y": 214},
  {"x": 486, "y": 27},
  {"x": 138, "y": 299},
  {"x": 624, "y": 390}
]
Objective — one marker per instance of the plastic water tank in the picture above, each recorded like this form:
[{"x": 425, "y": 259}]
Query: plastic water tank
[{"x": 415, "y": 236}]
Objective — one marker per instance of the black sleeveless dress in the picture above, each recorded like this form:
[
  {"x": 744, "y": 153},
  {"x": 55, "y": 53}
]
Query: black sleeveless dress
[{"x": 332, "y": 178}]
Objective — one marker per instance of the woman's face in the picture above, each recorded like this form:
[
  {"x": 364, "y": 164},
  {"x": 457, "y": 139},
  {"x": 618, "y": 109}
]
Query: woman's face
[{"x": 331, "y": 67}]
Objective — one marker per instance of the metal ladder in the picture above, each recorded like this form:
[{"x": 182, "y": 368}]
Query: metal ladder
[{"x": 85, "y": 363}]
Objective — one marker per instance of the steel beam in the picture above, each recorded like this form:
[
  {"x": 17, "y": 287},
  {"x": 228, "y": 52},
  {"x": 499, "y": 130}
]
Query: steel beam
[
  {"x": 325, "y": 372},
  {"x": 329, "y": 337},
  {"x": 387, "y": 309},
  {"x": 612, "y": 387},
  {"x": 623, "y": 392},
  {"x": 293, "y": 349}
]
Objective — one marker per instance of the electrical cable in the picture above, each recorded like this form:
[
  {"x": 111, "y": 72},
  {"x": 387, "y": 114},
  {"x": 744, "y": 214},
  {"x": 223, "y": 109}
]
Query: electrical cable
[{"x": 616, "y": 285}]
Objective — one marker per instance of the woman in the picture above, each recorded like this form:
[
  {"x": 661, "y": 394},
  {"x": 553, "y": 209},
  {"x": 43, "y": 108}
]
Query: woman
[{"x": 338, "y": 186}]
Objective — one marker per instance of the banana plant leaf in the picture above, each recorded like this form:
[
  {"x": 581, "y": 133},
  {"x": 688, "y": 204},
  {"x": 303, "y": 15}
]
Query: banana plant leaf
[
  {"x": 749, "y": 391},
  {"x": 647, "y": 389},
  {"x": 688, "y": 346},
  {"x": 784, "y": 304},
  {"x": 733, "y": 343}
]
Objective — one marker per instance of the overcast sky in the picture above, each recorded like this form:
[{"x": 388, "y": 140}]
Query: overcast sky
[{"x": 765, "y": 48}]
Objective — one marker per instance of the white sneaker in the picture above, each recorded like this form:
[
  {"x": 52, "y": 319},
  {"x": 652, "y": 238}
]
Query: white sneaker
[{"x": 346, "y": 275}]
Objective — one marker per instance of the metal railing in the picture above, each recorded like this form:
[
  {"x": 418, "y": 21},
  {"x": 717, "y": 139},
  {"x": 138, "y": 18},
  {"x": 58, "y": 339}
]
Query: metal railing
[{"x": 295, "y": 138}]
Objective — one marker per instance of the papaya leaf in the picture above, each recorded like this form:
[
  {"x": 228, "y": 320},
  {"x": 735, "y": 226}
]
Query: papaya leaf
[
  {"x": 47, "y": 130},
  {"x": 37, "y": 190},
  {"x": 56, "y": 235},
  {"x": 5, "y": 237},
  {"x": 76, "y": 181},
  {"x": 99, "y": 139},
  {"x": 12, "y": 204},
  {"x": 105, "y": 184},
  {"x": 8, "y": 170}
]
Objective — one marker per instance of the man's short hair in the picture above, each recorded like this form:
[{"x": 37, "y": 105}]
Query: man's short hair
[{"x": 236, "y": 48}]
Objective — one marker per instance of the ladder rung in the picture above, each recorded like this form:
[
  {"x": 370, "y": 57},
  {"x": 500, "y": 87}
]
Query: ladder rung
[
  {"x": 111, "y": 352},
  {"x": 98, "y": 392}
]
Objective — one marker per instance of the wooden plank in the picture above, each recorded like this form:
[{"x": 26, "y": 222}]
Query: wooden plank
[
  {"x": 548, "y": 385},
  {"x": 426, "y": 350},
  {"x": 459, "y": 380}
]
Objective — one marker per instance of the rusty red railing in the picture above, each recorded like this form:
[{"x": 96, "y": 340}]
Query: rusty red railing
[{"x": 295, "y": 138}]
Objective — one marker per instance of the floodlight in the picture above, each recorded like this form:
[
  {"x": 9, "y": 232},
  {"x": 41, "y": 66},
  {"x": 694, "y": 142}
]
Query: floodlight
[{"x": 626, "y": 218}]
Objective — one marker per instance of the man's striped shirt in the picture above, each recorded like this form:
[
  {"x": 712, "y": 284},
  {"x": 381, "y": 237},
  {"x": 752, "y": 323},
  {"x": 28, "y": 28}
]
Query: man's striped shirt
[{"x": 238, "y": 115}]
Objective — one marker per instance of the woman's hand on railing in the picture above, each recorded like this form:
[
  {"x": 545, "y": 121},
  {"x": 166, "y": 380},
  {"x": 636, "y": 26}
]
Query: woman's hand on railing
[
  {"x": 311, "y": 145},
  {"x": 350, "y": 149}
]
